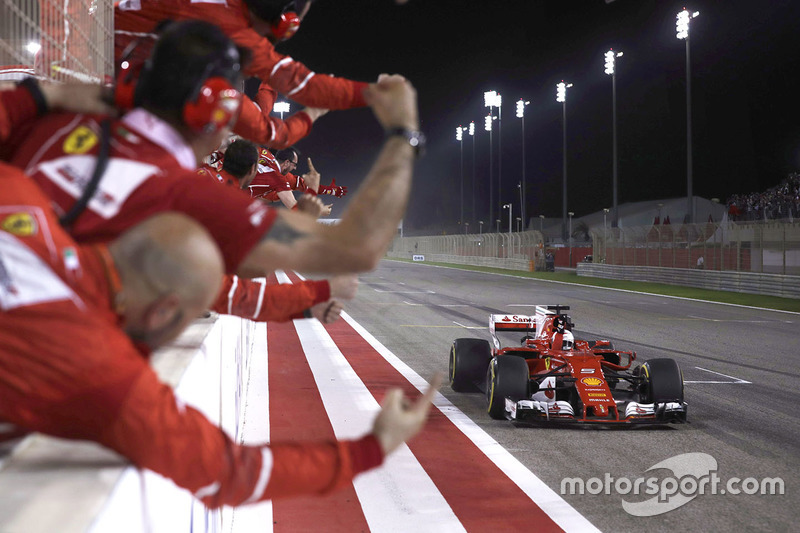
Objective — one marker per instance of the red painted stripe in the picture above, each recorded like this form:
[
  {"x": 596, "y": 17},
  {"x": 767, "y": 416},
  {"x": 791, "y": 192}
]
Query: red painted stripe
[
  {"x": 296, "y": 412},
  {"x": 480, "y": 494}
]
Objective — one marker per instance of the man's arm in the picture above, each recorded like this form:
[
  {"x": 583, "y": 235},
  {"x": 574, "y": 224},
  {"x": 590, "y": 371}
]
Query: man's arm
[
  {"x": 156, "y": 431},
  {"x": 258, "y": 301},
  {"x": 368, "y": 225},
  {"x": 256, "y": 124},
  {"x": 294, "y": 79}
]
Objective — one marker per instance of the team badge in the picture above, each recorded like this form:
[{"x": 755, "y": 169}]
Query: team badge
[
  {"x": 80, "y": 141},
  {"x": 21, "y": 224}
]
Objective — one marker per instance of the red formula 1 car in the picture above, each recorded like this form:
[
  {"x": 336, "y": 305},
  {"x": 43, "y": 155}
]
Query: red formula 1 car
[{"x": 551, "y": 377}]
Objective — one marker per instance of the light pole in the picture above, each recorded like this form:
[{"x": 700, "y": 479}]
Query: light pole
[
  {"x": 510, "y": 208},
  {"x": 541, "y": 225},
  {"x": 682, "y": 32},
  {"x": 472, "y": 134},
  {"x": 605, "y": 232},
  {"x": 466, "y": 228},
  {"x": 480, "y": 227},
  {"x": 498, "y": 102},
  {"x": 521, "y": 202},
  {"x": 561, "y": 97},
  {"x": 460, "y": 139},
  {"x": 489, "y": 98},
  {"x": 521, "y": 115},
  {"x": 497, "y": 220},
  {"x": 519, "y": 224},
  {"x": 281, "y": 107},
  {"x": 611, "y": 61},
  {"x": 570, "y": 238}
]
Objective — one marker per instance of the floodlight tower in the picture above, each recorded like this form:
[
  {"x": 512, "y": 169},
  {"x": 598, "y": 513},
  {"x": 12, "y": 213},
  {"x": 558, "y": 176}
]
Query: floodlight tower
[
  {"x": 460, "y": 138},
  {"x": 610, "y": 64},
  {"x": 487, "y": 125},
  {"x": 281, "y": 107},
  {"x": 561, "y": 97},
  {"x": 682, "y": 32},
  {"x": 472, "y": 134},
  {"x": 521, "y": 103},
  {"x": 489, "y": 100}
]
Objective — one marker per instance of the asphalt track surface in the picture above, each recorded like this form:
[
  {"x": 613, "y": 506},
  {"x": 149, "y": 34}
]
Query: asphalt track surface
[{"x": 741, "y": 367}]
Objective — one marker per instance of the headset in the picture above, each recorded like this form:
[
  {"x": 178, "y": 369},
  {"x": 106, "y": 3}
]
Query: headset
[
  {"x": 285, "y": 26},
  {"x": 212, "y": 104}
]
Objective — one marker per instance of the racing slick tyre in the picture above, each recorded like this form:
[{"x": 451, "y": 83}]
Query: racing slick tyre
[
  {"x": 508, "y": 376},
  {"x": 469, "y": 359},
  {"x": 663, "y": 381}
]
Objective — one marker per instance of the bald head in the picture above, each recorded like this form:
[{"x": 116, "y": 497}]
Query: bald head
[{"x": 171, "y": 270}]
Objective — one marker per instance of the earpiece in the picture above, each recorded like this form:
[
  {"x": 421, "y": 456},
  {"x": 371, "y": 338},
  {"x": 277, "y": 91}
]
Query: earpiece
[
  {"x": 286, "y": 26},
  {"x": 215, "y": 105}
]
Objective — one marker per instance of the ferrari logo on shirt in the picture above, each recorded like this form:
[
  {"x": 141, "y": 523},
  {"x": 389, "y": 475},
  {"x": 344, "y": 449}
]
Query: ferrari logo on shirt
[
  {"x": 80, "y": 141},
  {"x": 21, "y": 224}
]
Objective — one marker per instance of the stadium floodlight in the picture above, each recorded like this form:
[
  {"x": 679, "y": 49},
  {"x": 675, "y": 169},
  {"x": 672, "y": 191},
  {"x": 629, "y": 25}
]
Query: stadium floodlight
[
  {"x": 521, "y": 103},
  {"x": 610, "y": 69},
  {"x": 611, "y": 59},
  {"x": 281, "y": 107},
  {"x": 682, "y": 32},
  {"x": 472, "y": 134},
  {"x": 460, "y": 139},
  {"x": 561, "y": 91},
  {"x": 561, "y": 97},
  {"x": 682, "y": 23},
  {"x": 487, "y": 123}
]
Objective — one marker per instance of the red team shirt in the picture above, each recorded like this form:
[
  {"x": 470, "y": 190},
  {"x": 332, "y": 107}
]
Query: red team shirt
[
  {"x": 269, "y": 181},
  {"x": 151, "y": 169}
]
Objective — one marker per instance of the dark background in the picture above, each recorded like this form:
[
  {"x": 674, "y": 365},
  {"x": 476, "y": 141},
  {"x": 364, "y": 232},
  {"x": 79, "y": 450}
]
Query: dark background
[{"x": 745, "y": 57}]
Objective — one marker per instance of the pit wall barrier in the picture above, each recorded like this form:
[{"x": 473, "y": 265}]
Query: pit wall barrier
[{"x": 49, "y": 484}]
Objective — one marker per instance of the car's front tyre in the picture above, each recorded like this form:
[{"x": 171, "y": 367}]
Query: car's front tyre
[
  {"x": 469, "y": 359},
  {"x": 507, "y": 376}
]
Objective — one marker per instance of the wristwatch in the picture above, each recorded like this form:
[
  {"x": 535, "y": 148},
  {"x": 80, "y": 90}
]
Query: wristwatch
[{"x": 415, "y": 138}]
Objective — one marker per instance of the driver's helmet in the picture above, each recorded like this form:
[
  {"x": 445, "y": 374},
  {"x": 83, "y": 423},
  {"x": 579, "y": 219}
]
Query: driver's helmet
[{"x": 567, "y": 341}]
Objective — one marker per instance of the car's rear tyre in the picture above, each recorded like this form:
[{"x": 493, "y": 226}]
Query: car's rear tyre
[
  {"x": 662, "y": 381},
  {"x": 507, "y": 376},
  {"x": 469, "y": 359}
]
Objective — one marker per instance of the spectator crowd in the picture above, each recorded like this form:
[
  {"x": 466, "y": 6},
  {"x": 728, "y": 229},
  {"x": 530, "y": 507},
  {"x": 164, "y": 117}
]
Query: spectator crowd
[{"x": 779, "y": 202}]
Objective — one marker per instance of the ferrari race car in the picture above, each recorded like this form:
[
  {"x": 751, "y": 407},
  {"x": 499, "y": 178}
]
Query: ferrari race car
[{"x": 551, "y": 377}]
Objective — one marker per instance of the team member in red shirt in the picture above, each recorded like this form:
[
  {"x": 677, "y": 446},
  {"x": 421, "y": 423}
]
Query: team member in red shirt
[
  {"x": 274, "y": 182},
  {"x": 76, "y": 327},
  {"x": 153, "y": 151},
  {"x": 256, "y": 25},
  {"x": 238, "y": 169},
  {"x": 256, "y": 300}
]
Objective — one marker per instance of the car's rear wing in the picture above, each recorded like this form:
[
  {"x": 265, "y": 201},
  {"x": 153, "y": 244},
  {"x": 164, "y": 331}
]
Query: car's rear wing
[{"x": 510, "y": 324}]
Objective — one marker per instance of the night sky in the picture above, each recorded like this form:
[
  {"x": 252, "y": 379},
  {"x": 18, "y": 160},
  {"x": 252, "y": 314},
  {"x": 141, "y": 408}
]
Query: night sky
[{"x": 745, "y": 98}]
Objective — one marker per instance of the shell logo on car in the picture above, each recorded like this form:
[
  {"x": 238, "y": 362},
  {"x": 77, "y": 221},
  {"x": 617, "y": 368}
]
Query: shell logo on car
[{"x": 592, "y": 382}]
